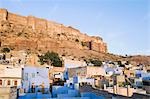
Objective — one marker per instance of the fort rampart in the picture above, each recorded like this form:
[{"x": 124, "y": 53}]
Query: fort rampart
[{"x": 53, "y": 28}]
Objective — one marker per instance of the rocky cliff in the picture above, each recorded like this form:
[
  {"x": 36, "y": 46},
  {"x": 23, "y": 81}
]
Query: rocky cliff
[{"x": 36, "y": 34}]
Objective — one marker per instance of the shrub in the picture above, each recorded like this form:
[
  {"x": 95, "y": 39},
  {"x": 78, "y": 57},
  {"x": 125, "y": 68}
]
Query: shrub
[
  {"x": 96, "y": 62},
  {"x": 19, "y": 34},
  {"x": 83, "y": 44}
]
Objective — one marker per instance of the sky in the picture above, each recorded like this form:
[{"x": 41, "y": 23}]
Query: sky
[{"x": 123, "y": 24}]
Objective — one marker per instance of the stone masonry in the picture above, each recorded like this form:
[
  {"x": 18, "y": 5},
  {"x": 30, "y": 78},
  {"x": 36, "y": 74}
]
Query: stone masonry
[{"x": 39, "y": 28}]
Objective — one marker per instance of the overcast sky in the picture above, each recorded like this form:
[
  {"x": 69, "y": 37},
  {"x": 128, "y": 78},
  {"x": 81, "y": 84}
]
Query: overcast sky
[{"x": 123, "y": 24}]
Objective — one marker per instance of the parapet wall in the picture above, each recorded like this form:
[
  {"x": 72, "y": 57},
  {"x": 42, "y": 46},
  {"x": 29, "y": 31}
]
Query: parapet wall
[
  {"x": 108, "y": 95},
  {"x": 35, "y": 23},
  {"x": 13, "y": 18}
]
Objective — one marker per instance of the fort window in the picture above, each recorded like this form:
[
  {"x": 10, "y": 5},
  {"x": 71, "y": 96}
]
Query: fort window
[
  {"x": 1, "y": 82},
  {"x": 77, "y": 40},
  {"x": 58, "y": 34},
  {"x": 90, "y": 45}
]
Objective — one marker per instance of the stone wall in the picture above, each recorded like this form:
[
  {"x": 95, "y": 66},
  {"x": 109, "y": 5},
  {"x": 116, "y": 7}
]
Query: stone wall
[
  {"x": 107, "y": 95},
  {"x": 31, "y": 22},
  {"x": 53, "y": 29},
  {"x": 13, "y": 18},
  {"x": 40, "y": 24},
  {"x": 8, "y": 93},
  {"x": 80, "y": 71},
  {"x": 3, "y": 14},
  {"x": 99, "y": 47}
]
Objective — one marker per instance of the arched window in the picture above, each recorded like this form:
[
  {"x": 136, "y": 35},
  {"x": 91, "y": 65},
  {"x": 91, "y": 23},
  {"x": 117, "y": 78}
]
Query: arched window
[
  {"x": 15, "y": 82},
  {"x": 1, "y": 82},
  {"x": 8, "y": 82}
]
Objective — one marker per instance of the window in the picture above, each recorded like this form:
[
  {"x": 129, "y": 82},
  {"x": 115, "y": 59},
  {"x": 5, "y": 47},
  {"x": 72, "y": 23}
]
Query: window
[
  {"x": 38, "y": 74},
  {"x": 1, "y": 82},
  {"x": 15, "y": 82},
  {"x": 146, "y": 83},
  {"x": 8, "y": 82},
  {"x": 26, "y": 76},
  {"x": 33, "y": 75},
  {"x": 131, "y": 74}
]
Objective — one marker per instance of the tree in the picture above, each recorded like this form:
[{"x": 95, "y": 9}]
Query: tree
[
  {"x": 50, "y": 58},
  {"x": 5, "y": 50},
  {"x": 96, "y": 62},
  {"x": 127, "y": 63},
  {"x": 119, "y": 63}
]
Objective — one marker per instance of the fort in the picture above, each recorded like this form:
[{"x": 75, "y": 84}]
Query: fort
[{"x": 52, "y": 29}]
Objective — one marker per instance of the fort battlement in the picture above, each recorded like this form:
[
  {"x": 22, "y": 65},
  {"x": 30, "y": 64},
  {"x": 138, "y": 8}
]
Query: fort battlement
[{"x": 34, "y": 22}]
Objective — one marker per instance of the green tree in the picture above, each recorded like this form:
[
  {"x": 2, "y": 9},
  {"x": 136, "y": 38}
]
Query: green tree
[
  {"x": 119, "y": 63},
  {"x": 50, "y": 58},
  {"x": 96, "y": 62}
]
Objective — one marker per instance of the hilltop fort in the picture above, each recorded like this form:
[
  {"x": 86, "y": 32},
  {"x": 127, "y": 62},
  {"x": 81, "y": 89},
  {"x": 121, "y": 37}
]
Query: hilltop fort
[
  {"x": 20, "y": 32},
  {"x": 39, "y": 36}
]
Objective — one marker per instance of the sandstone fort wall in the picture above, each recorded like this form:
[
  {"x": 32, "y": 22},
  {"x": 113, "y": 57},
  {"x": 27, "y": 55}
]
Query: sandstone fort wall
[
  {"x": 53, "y": 28},
  {"x": 13, "y": 18}
]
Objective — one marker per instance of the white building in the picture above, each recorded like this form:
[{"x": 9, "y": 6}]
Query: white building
[
  {"x": 10, "y": 76},
  {"x": 68, "y": 63}
]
